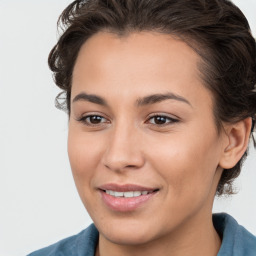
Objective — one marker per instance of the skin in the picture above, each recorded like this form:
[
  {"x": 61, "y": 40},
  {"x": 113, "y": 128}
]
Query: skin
[{"x": 184, "y": 159}]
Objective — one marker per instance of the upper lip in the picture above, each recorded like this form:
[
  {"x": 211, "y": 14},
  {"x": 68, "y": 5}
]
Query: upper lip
[{"x": 125, "y": 187}]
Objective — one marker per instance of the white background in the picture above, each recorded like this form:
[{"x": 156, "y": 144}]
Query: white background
[{"x": 39, "y": 204}]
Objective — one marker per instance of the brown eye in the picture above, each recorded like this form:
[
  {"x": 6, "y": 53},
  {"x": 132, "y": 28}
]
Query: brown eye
[
  {"x": 94, "y": 119},
  {"x": 162, "y": 120}
]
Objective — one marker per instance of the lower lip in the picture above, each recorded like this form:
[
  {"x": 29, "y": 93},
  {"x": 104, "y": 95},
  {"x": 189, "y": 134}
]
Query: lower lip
[{"x": 124, "y": 204}]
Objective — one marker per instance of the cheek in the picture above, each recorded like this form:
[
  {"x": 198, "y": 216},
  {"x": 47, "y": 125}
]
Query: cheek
[
  {"x": 84, "y": 156},
  {"x": 187, "y": 163}
]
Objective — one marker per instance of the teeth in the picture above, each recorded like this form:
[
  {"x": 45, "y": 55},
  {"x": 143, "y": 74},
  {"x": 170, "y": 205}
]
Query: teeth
[
  {"x": 136, "y": 193},
  {"x": 126, "y": 194},
  {"x": 118, "y": 194}
]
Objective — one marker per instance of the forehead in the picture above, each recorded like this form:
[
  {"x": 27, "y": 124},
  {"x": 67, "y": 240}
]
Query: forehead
[
  {"x": 142, "y": 50},
  {"x": 142, "y": 61}
]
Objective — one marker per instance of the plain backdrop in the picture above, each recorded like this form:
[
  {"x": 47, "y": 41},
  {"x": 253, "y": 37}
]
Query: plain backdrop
[{"x": 39, "y": 204}]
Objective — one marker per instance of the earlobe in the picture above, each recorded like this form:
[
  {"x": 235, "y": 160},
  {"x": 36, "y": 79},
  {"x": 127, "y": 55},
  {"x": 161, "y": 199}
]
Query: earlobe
[{"x": 237, "y": 142}]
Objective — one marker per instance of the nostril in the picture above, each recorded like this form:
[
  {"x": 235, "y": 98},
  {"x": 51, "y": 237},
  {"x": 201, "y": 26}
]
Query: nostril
[
  {"x": 117, "y": 160},
  {"x": 131, "y": 166}
]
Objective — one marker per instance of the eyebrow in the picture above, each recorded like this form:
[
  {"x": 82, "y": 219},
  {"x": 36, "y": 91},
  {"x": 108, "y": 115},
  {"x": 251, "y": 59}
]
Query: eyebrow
[
  {"x": 148, "y": 100},
  {"x": 91, "y": 98},
  {"x": 156, "y": 98}
]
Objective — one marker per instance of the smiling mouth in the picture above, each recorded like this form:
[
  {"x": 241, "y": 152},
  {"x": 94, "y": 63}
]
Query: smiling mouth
[
  {"x": 128, "y": 200},
  {"x": 127, "y": 197},
  {"x": 128, "y": 194}
]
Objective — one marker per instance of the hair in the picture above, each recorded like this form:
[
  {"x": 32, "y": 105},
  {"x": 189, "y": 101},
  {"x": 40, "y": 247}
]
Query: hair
[{"x": 216, "y": 29}]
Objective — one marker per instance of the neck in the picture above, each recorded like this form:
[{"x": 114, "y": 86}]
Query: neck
[{"x": 195, "y": 237}]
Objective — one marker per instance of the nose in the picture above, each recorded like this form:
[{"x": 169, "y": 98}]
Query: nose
[{"x": 124, "y": 149}]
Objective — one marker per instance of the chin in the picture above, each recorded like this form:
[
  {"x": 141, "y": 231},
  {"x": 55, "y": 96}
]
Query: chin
[
  {"x": 127, "y": 232},
  {"x": 127, "y": 237}
]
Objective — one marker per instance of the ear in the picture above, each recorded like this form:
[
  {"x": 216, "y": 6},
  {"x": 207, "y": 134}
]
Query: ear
[{"x": 236, "y": 142}]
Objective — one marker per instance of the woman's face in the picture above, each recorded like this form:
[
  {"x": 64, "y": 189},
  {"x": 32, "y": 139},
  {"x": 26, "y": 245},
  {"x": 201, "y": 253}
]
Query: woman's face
[{"x": 143, "y": 145}]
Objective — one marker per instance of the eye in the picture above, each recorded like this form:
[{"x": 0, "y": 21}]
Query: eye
[
  {"x": 92, "y": 120},
  {"x": 161, "y": 120}
]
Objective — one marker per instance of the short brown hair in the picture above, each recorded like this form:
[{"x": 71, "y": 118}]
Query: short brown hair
[{"x": 216, "y": 29}]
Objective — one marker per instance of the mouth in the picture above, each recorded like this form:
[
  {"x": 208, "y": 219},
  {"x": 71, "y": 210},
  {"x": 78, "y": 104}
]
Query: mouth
[
  {"x": 125, "y": 198},
  {"x": 128, "y": 194}
]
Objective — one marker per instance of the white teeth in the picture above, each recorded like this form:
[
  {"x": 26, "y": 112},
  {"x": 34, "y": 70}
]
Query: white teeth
[
  {"x": 136, "y": 193},
  {"x": 118, "y": 194},
  {"x": 126, "y": 194}
]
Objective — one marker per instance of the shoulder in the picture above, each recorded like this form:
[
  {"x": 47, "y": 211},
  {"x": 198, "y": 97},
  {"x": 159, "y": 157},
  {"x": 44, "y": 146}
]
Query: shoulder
[
  {"x": 236, "y": 240},
  {"x": 83, "y": 243}
]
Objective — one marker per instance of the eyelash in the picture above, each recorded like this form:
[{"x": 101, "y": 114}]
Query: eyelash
[
  {"x": 170, "y": 120},
  {"x": 84, "y": 120}
]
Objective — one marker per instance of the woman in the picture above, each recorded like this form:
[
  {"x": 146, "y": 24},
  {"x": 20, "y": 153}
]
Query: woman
[{"x": 161, "y": 99}]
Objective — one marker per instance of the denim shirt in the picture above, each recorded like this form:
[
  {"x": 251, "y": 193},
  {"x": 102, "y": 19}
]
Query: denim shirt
[{"x": 236, "y": 240}]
